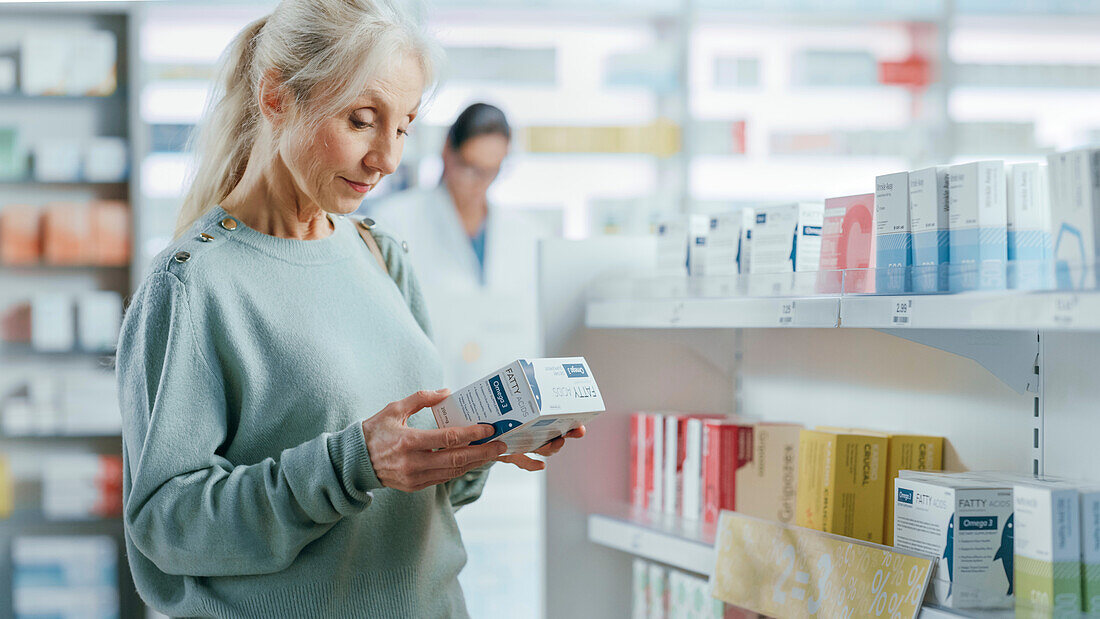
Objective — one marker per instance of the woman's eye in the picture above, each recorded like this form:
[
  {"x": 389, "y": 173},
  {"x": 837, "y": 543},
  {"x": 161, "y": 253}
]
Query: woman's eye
[
  {"x": 360, "y": 124},
  {"x": 403, "y": 132}
]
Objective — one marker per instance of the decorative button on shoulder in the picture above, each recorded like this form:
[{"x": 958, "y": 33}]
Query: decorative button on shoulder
[
  {"x": 229, "y": 224},
  {"x": 366, "y": 223},
  {"x": 405, "y": 246},
  {"x": 206, "y": 238},
  {"x": 182, "y": 256}
]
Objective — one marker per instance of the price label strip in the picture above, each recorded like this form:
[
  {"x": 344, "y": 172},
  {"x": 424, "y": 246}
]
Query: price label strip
[
  {"x": 903, "y": 313},
  {"x": 786, "y": 571},
  {"x": 786, "y": 313}
]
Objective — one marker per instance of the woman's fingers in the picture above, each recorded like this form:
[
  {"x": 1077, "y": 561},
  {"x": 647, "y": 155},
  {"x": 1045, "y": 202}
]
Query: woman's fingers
[
  {"x": 448, "y": 438},
  {"x": 416, "y": 402},
  {"x": 522, "y": 461},
  {"x": 551, "y": 448}
]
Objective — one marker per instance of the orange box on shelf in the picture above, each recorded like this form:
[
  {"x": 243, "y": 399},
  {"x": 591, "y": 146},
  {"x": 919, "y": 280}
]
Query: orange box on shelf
[
  {"x": 110, "y": 233},
  {"x": 66, "y": 233},
  {"x": 20, "y": 238}
]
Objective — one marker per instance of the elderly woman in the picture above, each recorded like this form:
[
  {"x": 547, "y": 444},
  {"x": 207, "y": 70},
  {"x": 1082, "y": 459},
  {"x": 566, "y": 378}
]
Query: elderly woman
[{"x": 275, "y": 463}]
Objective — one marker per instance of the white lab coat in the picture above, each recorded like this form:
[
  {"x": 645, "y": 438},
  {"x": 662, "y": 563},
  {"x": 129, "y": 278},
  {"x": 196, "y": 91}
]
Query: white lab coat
[{"x": 479, "y": 327}]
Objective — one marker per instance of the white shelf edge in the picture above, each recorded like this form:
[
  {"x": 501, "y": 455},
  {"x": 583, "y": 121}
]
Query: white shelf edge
[
  {"x": 749, "y": 312},
  {"x": 693, "y": 556},
  {"x": 1053, "y": 310},
  {"x": 699, "y": 557}
]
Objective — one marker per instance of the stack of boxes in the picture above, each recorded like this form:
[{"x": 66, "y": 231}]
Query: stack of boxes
[
  {"x": 65, "y": 234},
  {"x": 972, "y": 226}
]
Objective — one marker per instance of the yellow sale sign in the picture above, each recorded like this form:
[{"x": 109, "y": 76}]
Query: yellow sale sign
[{"x": 787, "y": 571}]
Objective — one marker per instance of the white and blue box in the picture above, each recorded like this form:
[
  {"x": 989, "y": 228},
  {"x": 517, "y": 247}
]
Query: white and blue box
[
  {"x": 786, "y": 239},
  {"x": 528, "y": 402},
  {"x": 1074, "y": 201},
  {"x": 893, "y": 238},
  {"x": 929, "y": 225},
  {"x": 967, "y": 524},
  {"x": 1029, "y": 247},
  {"x": 978, "y": 235}
]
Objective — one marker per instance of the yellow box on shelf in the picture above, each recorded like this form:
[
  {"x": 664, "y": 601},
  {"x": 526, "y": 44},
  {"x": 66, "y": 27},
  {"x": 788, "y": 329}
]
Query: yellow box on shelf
[
  {"x": 842, "y": 482},
  {"x": 904, "y": 452},
  {"x": 660, "y": 138}
]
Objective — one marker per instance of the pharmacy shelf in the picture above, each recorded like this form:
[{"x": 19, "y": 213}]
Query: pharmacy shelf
[
  {"x": 668, "y": 541},
  {"x": 746, "y": 312},
  {"x": 27, "y": 182},
  {"x": 690, "y": 547},
  {"x": 1007, "y": 310}
]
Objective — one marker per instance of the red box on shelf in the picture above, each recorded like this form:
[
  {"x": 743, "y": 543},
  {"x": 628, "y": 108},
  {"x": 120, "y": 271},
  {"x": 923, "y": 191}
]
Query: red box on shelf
[
  {"x": 727, "y": 446},
  {"x": 66, "y": 234},
  {"x": 110, "y": 233},
  {"x": 847, "y": 243},
  {"x": 638, "y": 456},
  {"x": 20, "y": 235}
]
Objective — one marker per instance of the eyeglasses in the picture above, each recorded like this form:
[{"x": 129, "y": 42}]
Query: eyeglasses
[{"x": 475, "y": 172}]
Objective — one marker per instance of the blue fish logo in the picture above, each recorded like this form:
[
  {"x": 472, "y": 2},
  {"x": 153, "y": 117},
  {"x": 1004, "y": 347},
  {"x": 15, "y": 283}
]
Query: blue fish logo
[
  {"x": 1004, "y": 553},
  {"x": 499, "y": 427},
  {"x": 949, "y": 554}
]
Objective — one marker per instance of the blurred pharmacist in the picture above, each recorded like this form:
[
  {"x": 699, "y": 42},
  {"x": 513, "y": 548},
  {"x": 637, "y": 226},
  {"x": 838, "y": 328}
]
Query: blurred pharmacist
[
  {"x": 476, "y": 262},
  {"x": 274, "y": 365}
]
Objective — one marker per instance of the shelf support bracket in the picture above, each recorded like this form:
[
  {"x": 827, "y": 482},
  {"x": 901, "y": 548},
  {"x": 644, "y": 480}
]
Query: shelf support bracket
[{"x": 1008, "y": 355}]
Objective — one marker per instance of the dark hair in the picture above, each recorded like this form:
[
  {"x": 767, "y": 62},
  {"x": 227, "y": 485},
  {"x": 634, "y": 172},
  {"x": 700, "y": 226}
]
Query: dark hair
[{"x": 478, "y": 119}]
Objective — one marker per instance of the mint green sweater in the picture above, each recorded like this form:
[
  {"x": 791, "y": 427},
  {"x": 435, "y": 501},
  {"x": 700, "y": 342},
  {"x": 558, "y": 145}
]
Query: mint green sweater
[{"x": 245, "y": 367}]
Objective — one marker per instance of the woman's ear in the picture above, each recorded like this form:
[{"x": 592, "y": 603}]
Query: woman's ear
[{"x": 272, "y": 98}]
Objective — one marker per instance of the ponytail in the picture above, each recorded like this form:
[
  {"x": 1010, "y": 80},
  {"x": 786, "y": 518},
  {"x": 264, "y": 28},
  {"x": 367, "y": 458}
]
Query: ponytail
[{"x": 225, "y": 140}]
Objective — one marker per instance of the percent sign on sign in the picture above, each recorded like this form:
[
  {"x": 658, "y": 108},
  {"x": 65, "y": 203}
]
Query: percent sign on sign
[{"x": 787, "y": 571}]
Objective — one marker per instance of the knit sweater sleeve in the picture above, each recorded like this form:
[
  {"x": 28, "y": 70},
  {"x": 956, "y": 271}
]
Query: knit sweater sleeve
[{"x": 186, "y": 507}]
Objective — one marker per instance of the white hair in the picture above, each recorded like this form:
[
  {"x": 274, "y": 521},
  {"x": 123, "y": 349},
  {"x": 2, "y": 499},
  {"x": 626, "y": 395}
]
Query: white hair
[{"x": 321, "y": 54}]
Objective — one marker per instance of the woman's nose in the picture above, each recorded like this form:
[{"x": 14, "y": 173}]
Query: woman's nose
[{"x": 384, "y": 154}]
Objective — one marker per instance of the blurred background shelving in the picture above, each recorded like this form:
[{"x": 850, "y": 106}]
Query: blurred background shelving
[{"x": 761, "y": 101}]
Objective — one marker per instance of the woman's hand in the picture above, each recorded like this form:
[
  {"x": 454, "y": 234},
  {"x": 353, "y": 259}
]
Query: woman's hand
[
  {"x": 406, "y": 459},
  {"x": 530, "y": 464}
]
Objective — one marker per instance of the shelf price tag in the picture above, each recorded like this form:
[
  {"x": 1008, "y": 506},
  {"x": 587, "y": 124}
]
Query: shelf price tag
[
  {"x": 786, "y": 313},
  {"x": 903, "y": 313},
  {"x": 786, "y": 571},
  {"x": 1065, "y": 310}
]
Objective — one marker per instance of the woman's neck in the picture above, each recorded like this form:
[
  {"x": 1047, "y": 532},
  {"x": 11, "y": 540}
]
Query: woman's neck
[{"x": 269, "y": 202}]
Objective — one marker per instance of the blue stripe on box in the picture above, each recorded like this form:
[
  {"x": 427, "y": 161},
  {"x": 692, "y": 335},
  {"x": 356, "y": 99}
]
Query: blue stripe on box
[
  {"x": 930, "y": 256},
  {"x": 978, "y": 258},
  {"x": 1029, "y": 265},
  {"x": 893, "y": 256}
]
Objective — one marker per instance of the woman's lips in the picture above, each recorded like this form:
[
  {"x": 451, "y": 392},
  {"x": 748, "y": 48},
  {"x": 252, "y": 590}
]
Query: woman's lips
[{"x": 360, "y": 187}]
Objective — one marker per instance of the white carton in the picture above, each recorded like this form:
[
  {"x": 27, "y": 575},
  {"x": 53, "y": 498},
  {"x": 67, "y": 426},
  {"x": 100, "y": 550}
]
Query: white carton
[
  {"x": 698, "y": 245},
  {"x": 1029, "y": 248},
  {"x": 1047, "y": 541},
  {"x": 929, "y": 225},
  {"x": 672, "y": 246},
  {"x": 723, "y": 243},
  {"x": 785, "y": 238},
  {"x": 656, "y": 501},
  {"x": 672, "y": 454},
  {"x": 639, "y": 605},
  {"x": 978, "y": 225},
  {"x": 967, "y": 524},
  {"x": 1073, "y": 215},
  {"x": 692, "y": 503},
  {"x": 893, "y": 238},
  {"x": 528, "y": 402}
]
